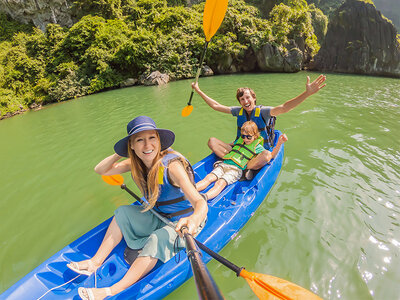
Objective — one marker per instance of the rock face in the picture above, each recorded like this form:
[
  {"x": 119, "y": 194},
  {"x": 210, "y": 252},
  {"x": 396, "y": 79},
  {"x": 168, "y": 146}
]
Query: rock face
[
  {"x": 129, "y": 82},
  {"x": 268, "y": 58},
  {"x": 359, "y": 40},
  {"x": 155, "y": 78},
  {"x": 39, "y": 12},
  {"x": 206, "y": 71}
]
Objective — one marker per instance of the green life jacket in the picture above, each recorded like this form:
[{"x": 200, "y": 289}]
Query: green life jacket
[{"x": 242, "y": 153}]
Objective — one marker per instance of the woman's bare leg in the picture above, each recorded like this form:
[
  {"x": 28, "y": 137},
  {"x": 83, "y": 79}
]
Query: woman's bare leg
[
  {"x": 140, "y": 267},
  {"x": 111, "y": 239}
]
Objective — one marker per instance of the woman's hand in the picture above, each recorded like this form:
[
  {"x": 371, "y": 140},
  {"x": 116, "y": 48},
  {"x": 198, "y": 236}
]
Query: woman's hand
[
  {"x": 186, "y": 222},
  {"x": 179, "y": 177}
]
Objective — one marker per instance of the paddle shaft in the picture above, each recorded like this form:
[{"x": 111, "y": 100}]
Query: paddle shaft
[
  {"x": 206, "y": 287},
  {"x": 199, "y": 69},
  {"x": 205, "y": 284},
  {"x": 220, "y": 259},
  {"x": 164, "y": 219}
]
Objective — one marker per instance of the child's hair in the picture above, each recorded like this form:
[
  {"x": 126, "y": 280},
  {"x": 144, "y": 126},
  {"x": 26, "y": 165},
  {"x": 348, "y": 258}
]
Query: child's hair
[
  {"x": 251, "y": 128},
  {"x": 240, "y": 92}
]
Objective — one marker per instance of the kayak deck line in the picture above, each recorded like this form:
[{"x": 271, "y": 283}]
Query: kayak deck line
[{"x": 227, "y": 214}]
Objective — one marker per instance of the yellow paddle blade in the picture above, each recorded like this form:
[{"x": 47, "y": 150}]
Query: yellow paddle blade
[
  {"x": 113, "y": 179},
  {"x": 268, "y": 287},
  {"x": 187, "y": 110},
  {"x": 214, "y": 13}
]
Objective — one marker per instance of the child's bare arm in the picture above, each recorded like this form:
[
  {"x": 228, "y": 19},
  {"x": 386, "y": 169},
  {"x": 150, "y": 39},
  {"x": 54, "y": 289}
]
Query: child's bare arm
[{"x": 282, "y": 139}]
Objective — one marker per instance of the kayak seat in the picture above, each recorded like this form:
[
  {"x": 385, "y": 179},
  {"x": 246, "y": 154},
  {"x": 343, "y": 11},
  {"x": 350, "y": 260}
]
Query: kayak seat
[{"x": 130, "y": 255}]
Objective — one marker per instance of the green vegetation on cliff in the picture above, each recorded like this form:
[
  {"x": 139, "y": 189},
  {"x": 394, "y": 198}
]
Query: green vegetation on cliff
[{"x": 119, "y": 39}]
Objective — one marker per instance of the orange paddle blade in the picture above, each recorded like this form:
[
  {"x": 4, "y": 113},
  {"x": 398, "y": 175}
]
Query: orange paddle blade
[
  {"x": 113, "y": 179},
  {"x": 214, "y": 13},
  {"x": 187, "y": 110},
  {"x": 268, "y": 287}
]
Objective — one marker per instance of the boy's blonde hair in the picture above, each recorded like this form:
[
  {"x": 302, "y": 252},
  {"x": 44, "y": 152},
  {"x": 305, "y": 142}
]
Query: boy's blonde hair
[{"x": 250, "y": 128}]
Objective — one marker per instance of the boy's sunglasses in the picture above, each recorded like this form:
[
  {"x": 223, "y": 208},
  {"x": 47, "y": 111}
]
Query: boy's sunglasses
[{"x": 245, "y": 136}]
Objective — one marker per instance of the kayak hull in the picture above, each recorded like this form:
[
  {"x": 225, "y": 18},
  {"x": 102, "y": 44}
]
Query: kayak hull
[{"x": 227, "y": 214}]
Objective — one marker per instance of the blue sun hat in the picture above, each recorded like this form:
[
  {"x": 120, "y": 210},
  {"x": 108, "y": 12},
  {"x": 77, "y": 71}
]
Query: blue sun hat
[{"x": 143, "y": 123}]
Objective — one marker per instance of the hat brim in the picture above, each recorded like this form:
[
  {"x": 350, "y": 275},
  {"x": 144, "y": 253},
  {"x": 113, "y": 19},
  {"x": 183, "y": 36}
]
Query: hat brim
[{"x": 167, "y": 138}]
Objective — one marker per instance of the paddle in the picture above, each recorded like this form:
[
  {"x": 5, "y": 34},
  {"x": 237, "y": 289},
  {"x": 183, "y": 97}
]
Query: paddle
[
  {"x": 205, "y": 284},
  {"x": 214, "y": 13},
  {"x": 263, "y": 285}
]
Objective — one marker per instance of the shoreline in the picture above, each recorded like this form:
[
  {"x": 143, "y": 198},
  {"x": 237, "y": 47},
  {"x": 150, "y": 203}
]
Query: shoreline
[{"x": 38, "y": 107}]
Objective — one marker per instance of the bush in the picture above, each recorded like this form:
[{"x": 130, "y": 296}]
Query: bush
[
  {"x": 109, "y": 9},
  {"x": 22, "y": 67},
  {"x": 9, "y": 27},
  {"x": 319, "y": 22},
  {"x": 10, "y": 103},
  {"x": 293, "y": 21},
  {"x": 41, "y": 91},
  {"x": 71, "y": 86}
]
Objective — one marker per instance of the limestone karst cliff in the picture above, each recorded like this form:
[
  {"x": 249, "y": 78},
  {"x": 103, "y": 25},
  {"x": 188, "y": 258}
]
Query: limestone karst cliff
[
  {"x": 359, "y": 40},
  {"x": 39, "y": 12}
]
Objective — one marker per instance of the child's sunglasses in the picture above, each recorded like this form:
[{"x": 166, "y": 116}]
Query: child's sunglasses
[{"x": 245, "y": 136}]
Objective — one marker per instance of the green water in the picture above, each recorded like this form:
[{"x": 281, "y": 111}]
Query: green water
[{"x": 330, "y": 223}]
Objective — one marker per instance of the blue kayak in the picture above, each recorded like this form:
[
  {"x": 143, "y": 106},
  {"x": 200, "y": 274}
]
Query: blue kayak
[{"x": 226, "y": 216}]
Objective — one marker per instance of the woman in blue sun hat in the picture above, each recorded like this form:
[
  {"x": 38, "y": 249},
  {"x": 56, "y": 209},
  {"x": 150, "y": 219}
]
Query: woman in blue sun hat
[{"x": 166, "y": 180}]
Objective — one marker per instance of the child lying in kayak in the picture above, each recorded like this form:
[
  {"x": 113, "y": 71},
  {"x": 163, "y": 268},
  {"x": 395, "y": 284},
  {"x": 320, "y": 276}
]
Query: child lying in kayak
[{"x": 230, "y": 170}]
